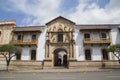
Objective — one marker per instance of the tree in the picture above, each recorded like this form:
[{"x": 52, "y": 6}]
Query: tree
[
  {"x": 115, "y": 49},
  {"x": 9, "y": 51}
]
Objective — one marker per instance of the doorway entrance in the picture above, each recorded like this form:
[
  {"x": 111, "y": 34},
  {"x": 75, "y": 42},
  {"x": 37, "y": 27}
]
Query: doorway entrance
[{"x": 60, "y": 58}]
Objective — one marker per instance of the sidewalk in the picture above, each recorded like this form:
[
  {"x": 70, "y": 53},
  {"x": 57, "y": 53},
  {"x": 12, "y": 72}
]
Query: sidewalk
[
  {"x": 78, "y": 69},
  {"x": 66, "y": 70}
]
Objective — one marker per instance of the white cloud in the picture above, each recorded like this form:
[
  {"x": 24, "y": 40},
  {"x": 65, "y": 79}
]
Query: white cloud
[
  {"x": 27, "y": 20},
  {"x": 41, "y": 11},
  {"x": 92, "y": 14}
]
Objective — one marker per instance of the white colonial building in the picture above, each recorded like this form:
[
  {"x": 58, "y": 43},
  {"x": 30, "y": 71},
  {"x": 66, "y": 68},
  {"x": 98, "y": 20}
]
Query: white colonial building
[{"x": 62, "y": 43}]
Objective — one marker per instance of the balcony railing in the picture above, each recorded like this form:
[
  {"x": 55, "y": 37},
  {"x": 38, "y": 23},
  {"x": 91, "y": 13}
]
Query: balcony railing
[
  {"x": 22, "y": 42},
  {"x": 96, "y": 41}
]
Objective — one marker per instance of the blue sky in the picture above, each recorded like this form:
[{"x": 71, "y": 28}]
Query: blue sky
[{"x": 39, "y": 12}]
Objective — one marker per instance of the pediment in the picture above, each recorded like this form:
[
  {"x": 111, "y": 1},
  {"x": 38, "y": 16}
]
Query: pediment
[
  {"x": 60, "y": 18},
  {"x": 60, "y": 23}
]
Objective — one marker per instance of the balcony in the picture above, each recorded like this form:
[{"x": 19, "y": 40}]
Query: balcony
[
  {"x": 21, "y": 42},
  {"x": 96, "y": 41}
]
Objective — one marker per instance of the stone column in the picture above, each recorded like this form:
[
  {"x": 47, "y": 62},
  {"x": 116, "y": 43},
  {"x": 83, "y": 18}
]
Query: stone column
[
  {"x": 70, "y": 35},
  {"x": 47, "y": 51},
  {"x": 71, "y": 50},
  {"x": 50, "y": 37}
]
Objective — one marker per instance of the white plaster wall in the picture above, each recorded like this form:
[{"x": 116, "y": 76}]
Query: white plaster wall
[
  {"x": 119, "y": 37},
  {"x": 40, "y": 50},
  {"x": 27, "y": 37},
  {"x": 79, "y": 48},
  {"x": 15, "y": 36},
  {"x": 108, "y": 36},
  {"x": 78, "y": 37},
  {"x": 110, "y": 56},
  {"x": 95, "y": 35},
  {"x": 41, "y": 44},
  {"x": 25, "y": 53},
  {"x": 115, "y": 35},
  {"x": 96, "y": 52}
]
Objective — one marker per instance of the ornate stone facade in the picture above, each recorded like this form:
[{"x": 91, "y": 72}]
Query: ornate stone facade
[
  {"x": 60, "y": 29},
  {"x": 6, "y": 28}
]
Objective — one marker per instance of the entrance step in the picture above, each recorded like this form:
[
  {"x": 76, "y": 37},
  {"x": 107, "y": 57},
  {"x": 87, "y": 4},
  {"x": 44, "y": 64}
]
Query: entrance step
[{"x": 59, "y": 68}]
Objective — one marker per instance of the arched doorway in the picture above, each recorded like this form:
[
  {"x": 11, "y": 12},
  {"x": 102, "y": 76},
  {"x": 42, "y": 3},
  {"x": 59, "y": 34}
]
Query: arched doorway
[{"x": 60, "y": 58}]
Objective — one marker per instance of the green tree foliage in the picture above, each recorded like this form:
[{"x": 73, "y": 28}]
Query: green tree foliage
[
  {"x": 9, "y": 51},
  {"x": 115, "y": 49}
]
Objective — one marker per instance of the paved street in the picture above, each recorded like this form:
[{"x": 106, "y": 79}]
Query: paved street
[{"x": 107, "y": 75}]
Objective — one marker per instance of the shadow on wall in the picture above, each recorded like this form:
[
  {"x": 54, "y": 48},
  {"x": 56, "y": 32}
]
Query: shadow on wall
[
  {"x": 118, "y": 37},
  {"x": 79, "y": 41},
  {"x": 41, "y": 44},
  {"x": 115, "y": 35}
]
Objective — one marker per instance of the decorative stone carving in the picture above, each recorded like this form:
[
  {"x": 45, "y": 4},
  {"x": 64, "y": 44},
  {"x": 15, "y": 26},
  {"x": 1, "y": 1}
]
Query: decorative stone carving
[
  {"x": 64, "y": 28},
  {"x": 54, "y": 28},
  {"x": 49, "y": 29}
]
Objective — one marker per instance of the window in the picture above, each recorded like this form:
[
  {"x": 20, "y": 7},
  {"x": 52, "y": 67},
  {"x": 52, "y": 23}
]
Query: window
[
  {"x": 105, "y": 54},
  {"x": 34, "y": 37},
  {"x": 33, "y": 55},
  {"x": 87, "y": 54},
  {"x": 18, "y": 56},
  {"x": 60, "y": 37},
  {"x": 20, "y": 37},
  {"x": 87, "y": 36},
  {"x": 103, "y": 35},
  {"x": 0, "y": 33}
]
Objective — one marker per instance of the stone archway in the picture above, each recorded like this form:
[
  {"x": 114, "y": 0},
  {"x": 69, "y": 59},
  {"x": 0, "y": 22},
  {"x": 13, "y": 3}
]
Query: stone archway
[{"x": 60, "y": 58}]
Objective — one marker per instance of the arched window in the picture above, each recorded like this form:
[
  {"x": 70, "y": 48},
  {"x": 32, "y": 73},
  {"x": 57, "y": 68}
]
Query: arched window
[
  {"x": 105, "y": 54},
  {"x": 33, "y": 55},
  {"x": 60, "y": 36},
  {"x": 87, "y": 54}
]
